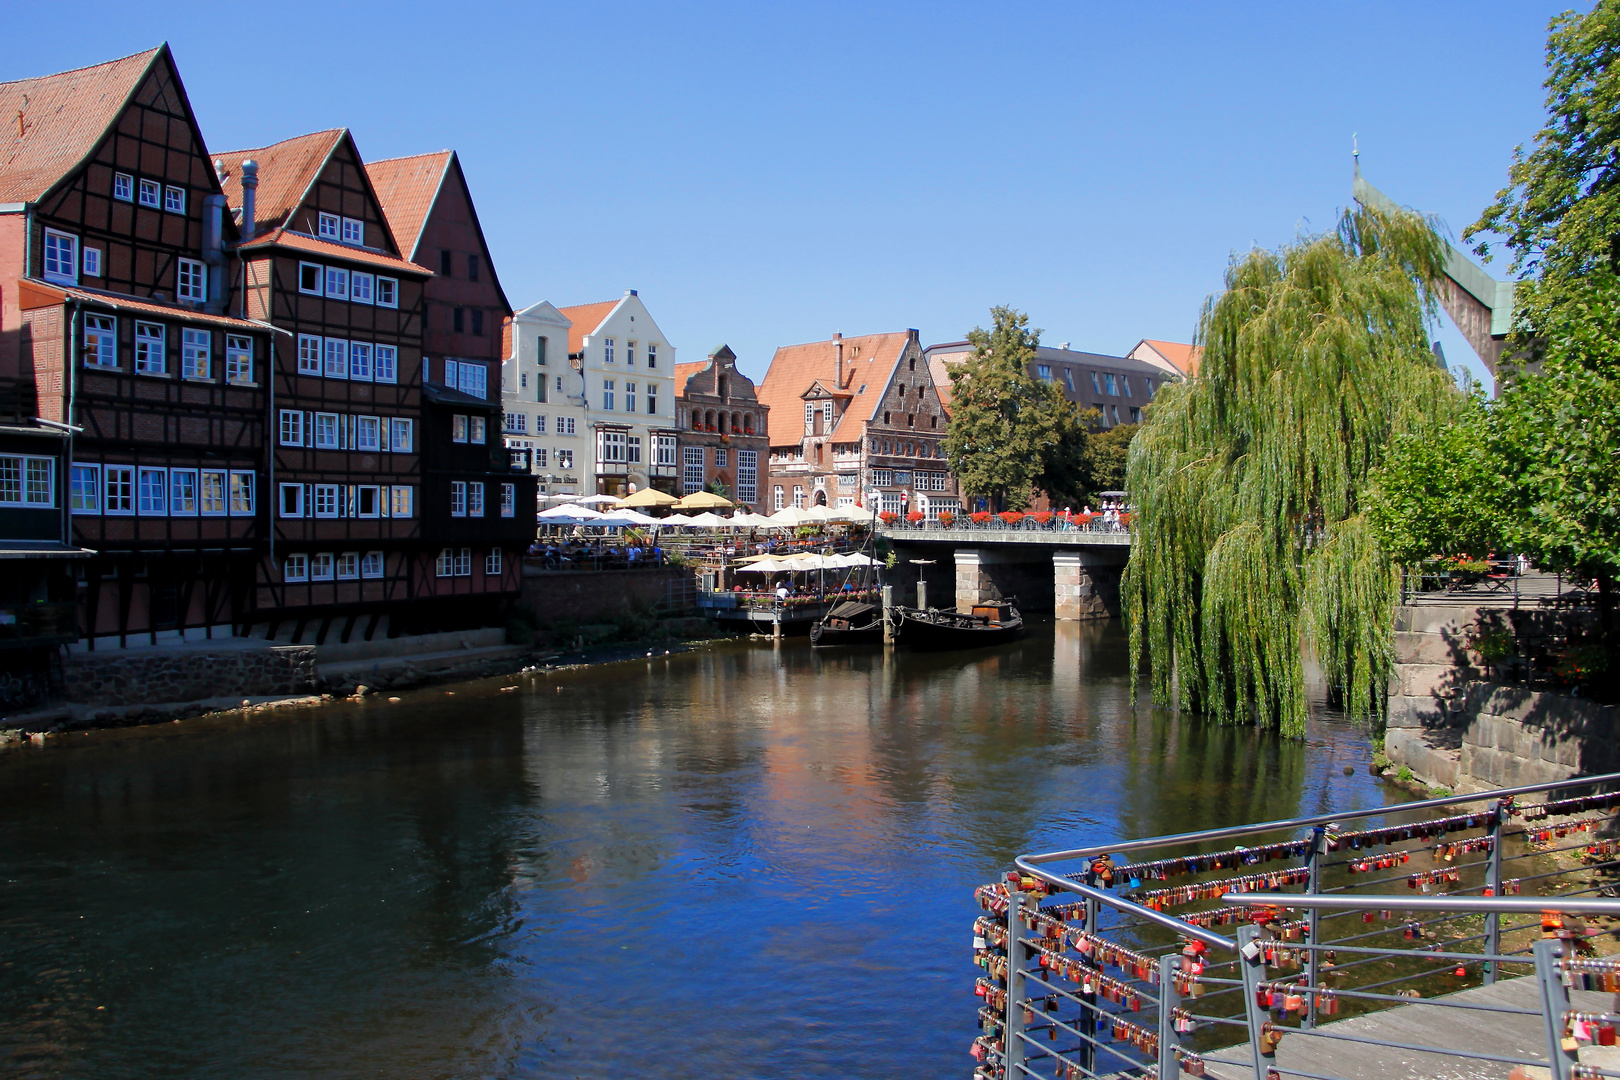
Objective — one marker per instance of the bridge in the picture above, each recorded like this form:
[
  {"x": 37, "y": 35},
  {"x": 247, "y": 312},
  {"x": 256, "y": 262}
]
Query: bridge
[
  {"x": 1440, "y": 938},
  {"x": 1069, "y": 569}
]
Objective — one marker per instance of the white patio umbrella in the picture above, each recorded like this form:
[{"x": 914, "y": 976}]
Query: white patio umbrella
[
  {"x": 790, "y": 516},
  {"x": 568, "y": 514},
  {"x": 637, "y": 518},
  {"x": 753, "y": 521},
  {"x": 674, "y": 521},
  {"x": 595, "y": 500},
  {"x": 853, "y": 558},
  {"x": 824, "y": 513},
  {"x": 710, "y": 520}
]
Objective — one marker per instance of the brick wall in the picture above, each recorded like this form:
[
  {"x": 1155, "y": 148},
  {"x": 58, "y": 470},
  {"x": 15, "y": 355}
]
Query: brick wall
[{"x": 154, "y": 676}]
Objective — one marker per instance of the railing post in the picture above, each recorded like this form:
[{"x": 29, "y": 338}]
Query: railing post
[
  {"x": 1554, "y": 1003},
  {"x": 1313, "y": 918},
  {"x": 1088, "y": 1008},
  {"x": 1013, "y": 1027},
  {"x": 1169, "y": 1002},
  {"x": 1493, "y": 920},
  {"x": 1251, "y": 962}
]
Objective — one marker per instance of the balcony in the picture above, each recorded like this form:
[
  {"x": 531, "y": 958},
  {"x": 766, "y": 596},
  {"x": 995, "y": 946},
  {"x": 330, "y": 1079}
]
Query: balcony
[{"x": 24, "y": 626}]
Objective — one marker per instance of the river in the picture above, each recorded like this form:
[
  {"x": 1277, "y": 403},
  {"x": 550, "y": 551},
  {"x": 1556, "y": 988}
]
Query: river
[{"x": 743, "y": 861}]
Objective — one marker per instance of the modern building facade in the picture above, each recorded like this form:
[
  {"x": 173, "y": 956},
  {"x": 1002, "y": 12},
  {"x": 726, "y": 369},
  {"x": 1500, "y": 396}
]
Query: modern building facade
[
  {"x": 852, "y": 416},
  {"x": 723, "y": 439},
  {"x": 1118, "y": 387},
  {"x": 627, "y": 368},
  {"x": 543, "y": 401}
]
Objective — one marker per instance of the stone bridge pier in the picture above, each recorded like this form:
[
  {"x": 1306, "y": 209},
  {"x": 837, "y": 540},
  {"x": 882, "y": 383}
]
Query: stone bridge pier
[{"x": 1081, "y": 585}]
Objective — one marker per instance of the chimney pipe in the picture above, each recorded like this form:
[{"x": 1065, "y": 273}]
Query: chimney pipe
[
  {"x": 213, "y": 251},
  {"x": 838, "y": 362},
  {"x": 250, "y": 194}
]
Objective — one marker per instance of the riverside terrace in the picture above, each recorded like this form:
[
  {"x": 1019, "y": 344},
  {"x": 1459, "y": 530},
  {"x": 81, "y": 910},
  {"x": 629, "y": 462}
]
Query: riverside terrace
[{"x": 1075, "y": 559}]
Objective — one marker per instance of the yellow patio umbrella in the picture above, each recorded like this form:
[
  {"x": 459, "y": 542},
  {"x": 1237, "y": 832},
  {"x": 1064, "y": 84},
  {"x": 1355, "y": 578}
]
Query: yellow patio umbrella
[
  {"x": 648, "y": 497},
  {"x": 704, "y": 500}
]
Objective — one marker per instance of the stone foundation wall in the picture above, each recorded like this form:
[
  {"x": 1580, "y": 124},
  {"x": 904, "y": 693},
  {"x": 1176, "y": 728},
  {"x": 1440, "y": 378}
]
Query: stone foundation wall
[
  {"x": 153, "y": 676},
  {"x": 593, "y": 596},
  {"x": 1452, "y": 728}
]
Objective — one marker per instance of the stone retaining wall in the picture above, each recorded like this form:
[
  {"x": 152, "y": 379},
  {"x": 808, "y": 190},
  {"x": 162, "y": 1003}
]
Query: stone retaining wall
[
  {"x": 1452, "y": 728},
  {"x": 151, "y": 676}
]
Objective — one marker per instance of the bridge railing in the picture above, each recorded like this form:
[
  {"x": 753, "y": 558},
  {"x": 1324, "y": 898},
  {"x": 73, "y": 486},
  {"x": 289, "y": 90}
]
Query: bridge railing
[
  {"x": 1460, "y": 910},
  {"x": 1028, "y": 523}
]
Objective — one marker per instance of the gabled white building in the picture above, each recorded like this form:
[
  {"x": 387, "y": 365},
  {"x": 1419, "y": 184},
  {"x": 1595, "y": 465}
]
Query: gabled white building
[
  {"x": 543, "y": 401},
  {"x": 627, "y": 367}
]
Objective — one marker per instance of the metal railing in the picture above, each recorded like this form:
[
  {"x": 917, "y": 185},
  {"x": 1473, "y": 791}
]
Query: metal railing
[
  {"x": 1028, "y": 523},
  {"x": 1093, "y": 968}
]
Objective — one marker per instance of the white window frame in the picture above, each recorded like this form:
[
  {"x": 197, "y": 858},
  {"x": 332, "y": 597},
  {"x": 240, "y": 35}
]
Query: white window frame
[
  {"x": 174, "y": 199},
  {"x": 458, "y": 498},
  {"x": 181, "y": 483},
  {"x": 445, "y": 564},
  {"x": 473, "y": 380},
  {"x": 238, "y": 360},
  {"x": 458, "y": 428},
  {"x": 368, "y": 433},
  {"x": 61, "y": 257},
  {"x": 25, "y": 474},
  {"x": 325, "y": 436},
  {"x": 360, "y": 361},
  {"x": 373, "y": 564},
  {"x": 492, "y": 563},
  {"x": 336, "y": 283},
  {"x": 151, "y": 194},
  {"x": 401, "y": 434},
  {"x": 213, "y": 486},
  {"x": 607, "y": 350},
  {"x": 691, "y": 469},
  {"x": 565, "y": 424},
  {"x": 336, "y": 358},
  {"x": 325, "y": 501},
  {"x": 385, "y": 364},
  {"x": 629, "y": 397},
  {"x": 779, "y": 500},
  {"x": 652, "y": 399},
  {"x": 387, "y": 292},
  {"x": 354, "y": 232},
  {"x": 508, "y": 500},
  {"x": 652, "y": 356},
  {"x": 328, "y": 226},
  {"x": 322, "y": 566},
  {"x": 145, "y": 341},
  {"x": 477, "y": 430},
  {"x": 309, "y": 354},
  {"x": 196, "y": 353},
  {"x": 239, "y": 492},
  {"x": 565, "y": 459},
  {"x": 91, "y": 260},
  {"x": 153, "y": 494},
  {"x": 100, "y": 340},
  {"x": 290, "y": 500},
  {"x": 376, "y": 493},
  {"x": 123, "y": 187},
  {"x": 475, "y": 498},
  {"x": 118, "y": 490},
  {"x": 748, "y": 476},
  {"x": 292, "y": 427},
  {"x": 401, "y": 501},
  {"x": 607, "y": 395},
  {"x": 464, "y": 562},
  {"x": 84, "y": 488},
  {"x": 191, "y": 280},
  {"x": 304, "y": 269},
  {"x": 362, "y": 288},
  {"x": 348, "y": 565},
  {"x": 295, "y": 568}
]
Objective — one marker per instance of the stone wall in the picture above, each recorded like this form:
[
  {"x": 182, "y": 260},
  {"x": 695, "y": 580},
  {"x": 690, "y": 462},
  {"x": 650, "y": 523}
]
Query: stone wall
[
  {"x": 188, "y": 673},
  {"x": 1454, "y": 728},
  {"x": 594, "y": 596}
]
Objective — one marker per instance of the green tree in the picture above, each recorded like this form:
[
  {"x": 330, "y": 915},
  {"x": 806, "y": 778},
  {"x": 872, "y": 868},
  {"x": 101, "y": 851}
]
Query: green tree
[
  {"x": 1110, "y": 451},
  {"x": 1553, "y": 431},
  {"x": 1439, "y": 491},
  {"x": 1011, "y": 433},
  {"x": 1250, "y": 543}
]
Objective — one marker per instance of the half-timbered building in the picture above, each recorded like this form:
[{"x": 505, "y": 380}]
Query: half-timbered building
[
  {"x": 116, "y": 327},
  {"x": 477, "y": 511}
]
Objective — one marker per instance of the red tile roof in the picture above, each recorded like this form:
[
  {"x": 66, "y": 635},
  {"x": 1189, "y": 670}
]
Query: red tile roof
[
  {"x": 686, "y": 371},
  {"x": 795, "y": 367},
  {"x": 36, "y": 293},
  {"x": 1183, "y": 357},
  {"x": 286, "y": 238},
  {"x": 63, "y": 118},
  {"x": 286, "y": 171},
  {"x": 586, "y": 318},
  {"x": 406, "y": 187}
]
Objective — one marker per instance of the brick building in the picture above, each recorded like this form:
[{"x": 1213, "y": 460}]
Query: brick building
[
  {"x": 722, "y": 424},
  {"x": 850, "y": 416}
]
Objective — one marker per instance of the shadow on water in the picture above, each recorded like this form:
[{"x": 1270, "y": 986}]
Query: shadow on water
[{"x": 749, "y": 860}]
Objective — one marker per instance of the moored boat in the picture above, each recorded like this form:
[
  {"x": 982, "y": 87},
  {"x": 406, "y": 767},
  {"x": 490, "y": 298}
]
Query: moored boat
[
  {"x": 849, "y": 623},
  {"x": 932, "y": 628}
]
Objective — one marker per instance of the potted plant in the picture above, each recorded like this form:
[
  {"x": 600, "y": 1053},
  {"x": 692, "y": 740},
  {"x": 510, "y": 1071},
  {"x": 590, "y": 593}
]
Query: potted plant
[
  {"x": 888, "y": 517},
  {"x": 915, "y": 516},
  {"x": 979, "y": 517},
  {"x": 945, "y": 519},
  {"x": 1011, "y": 517},
  {"x": 1042, "y": 518}
]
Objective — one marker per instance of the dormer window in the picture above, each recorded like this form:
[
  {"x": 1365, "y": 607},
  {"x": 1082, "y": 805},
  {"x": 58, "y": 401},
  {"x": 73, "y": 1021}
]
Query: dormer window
[
  {"x": 354, "y": 232},
  {"x": 329, "y": 227}
]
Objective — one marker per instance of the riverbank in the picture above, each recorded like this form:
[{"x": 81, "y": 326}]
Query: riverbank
[{"x": 349, "y": 681}]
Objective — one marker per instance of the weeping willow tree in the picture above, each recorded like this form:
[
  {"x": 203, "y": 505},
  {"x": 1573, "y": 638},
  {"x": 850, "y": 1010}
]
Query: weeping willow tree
[{"x": 1250, "y": 546}]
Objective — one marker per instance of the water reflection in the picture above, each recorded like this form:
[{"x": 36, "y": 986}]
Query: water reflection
[{"x": 745, "y": 861}]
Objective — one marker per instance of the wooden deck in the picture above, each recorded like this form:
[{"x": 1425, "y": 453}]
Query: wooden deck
[{"x": 1479, "y": 1031}]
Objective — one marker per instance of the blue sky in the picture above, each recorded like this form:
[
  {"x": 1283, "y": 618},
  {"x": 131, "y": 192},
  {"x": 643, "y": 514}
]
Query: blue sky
[{"x": 768, "y": 173}]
